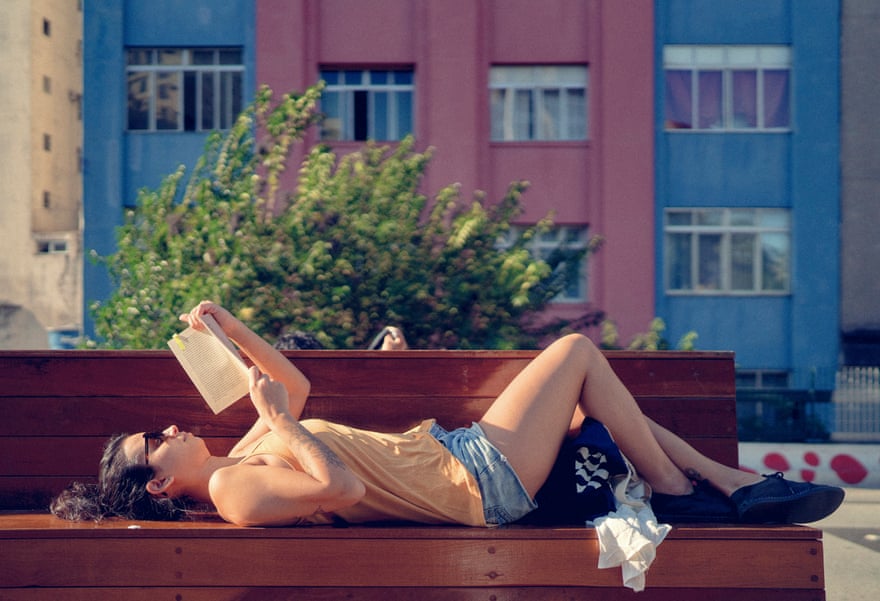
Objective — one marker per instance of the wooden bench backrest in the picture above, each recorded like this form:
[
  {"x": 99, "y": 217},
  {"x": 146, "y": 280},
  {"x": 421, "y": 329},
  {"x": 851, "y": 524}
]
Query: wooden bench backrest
[{"x": 58, "y": 407}]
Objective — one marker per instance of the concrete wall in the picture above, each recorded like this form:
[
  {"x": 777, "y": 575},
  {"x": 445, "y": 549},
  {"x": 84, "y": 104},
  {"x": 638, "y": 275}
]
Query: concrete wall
[
  {"x": 860, "y": 180},
  {"x": 40, "y": 91},
  {"x": 849, "y": 465}
]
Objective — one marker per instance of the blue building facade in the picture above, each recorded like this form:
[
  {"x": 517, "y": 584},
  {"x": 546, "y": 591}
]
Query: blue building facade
[
  {"x": 159, "y": 76},
  {"x": 748, "y": 183},
  {"x": 746, "y": 145}
]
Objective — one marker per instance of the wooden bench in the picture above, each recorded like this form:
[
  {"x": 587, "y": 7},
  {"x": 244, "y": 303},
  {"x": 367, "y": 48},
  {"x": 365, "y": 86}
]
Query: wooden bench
[{"x": 58, "y": 407}]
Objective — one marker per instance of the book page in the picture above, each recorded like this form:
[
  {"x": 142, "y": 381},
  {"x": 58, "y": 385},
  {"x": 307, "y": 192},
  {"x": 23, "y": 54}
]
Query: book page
[{"x": 212, "y": 363}]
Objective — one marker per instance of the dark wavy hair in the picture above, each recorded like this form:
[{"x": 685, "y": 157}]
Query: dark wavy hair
[{"x": 121, "y": 491}]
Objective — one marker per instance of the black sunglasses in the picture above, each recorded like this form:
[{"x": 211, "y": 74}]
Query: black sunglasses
[{"x": 148, "y": 436}]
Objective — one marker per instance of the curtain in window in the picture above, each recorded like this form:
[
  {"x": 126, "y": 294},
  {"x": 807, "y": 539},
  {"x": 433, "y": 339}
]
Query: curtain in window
[
  {"x": 776, "y": 98},
  {"x": 745, "y": 99},
  {"x": 678, "y": 100},
  {"x": 710, "y": 107}
]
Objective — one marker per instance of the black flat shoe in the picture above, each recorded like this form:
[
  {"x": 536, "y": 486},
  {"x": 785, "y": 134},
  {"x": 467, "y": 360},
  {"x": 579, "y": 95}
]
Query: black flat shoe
[
  {"x": 705, "y": 505},
  {"x": 776, "y": 500}
]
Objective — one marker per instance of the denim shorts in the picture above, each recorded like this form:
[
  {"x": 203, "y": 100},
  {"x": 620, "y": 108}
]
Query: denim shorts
[{"x": 505, "y": 499}]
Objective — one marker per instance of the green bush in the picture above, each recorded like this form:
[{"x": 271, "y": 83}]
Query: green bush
[{"x": 355, "y": 246}]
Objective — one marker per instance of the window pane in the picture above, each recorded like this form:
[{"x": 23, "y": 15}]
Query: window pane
[
  {"x": 189, "y": 101},
  {"x": 167, "y": 100},
  {"x": 403, "y": 77},
  {"x": 496, "y": 107},
  {"x": 742, "y": 258},
  {"x": 709, "y": 216},
  {"x": 139, "y": 101},
  {"x": 331, "y": 105},
  {"x": 742, "y": 217},
  {"x": 140, "y": 57},
  {"x": 775, "y": 218},
  {"x": 678, "y": 217},
  {"x": 709, "y": 249},
  {"x": 404, "y": 114},
  {"x": 709, "y": 94},
  {"x": 678, "y": 259},
  {"x": 237, "y": 95},
  {"x": 230, "y": 57},
  {"x": 226, "y": 100},
  {"x": 208, "y": 100},
  {"x": 169, "y": 56},
  {"x": 360, "y": 116},
  {"x": 522, "y": 115},
  {"x": 774, "y": 379},
  {"x": 576, "y": 112},
  {"x": 776, "y": 98},
  {"x": 746, "y": 379},
  {"x": 745, "y": 99},
  {"x": 679, "y": 111},
  {"x": 203, "y": 57},
  {"x": 548, "y": 127},
  {"x": 774, "y": 255},
  {"x": 379, "y": 116},
  {"x": 379, "y": 77},
  {"x": 330, "y": 77}
]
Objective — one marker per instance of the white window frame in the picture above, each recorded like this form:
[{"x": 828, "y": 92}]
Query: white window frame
[
  {"x": 343, "y": 127},
  {"x": 225, "y": 106},
  {"x": 728, "y": 60},
  {"x": 507, "y": 83},
  {"x": 573, "y": 237},
  {"x": 762, "y": 379},
  {"x": 52, "y": 246},
  {"x": 725, "y": 231}
]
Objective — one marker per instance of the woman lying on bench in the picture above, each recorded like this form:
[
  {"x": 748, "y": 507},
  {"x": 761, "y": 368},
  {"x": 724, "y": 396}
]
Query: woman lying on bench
[{"x": 286, "y": 472}]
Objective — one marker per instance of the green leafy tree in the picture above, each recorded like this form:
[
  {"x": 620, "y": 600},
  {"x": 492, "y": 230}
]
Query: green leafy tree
[
  {"x": 355, "y": 246},
  {"x": 652, "y": 340}
]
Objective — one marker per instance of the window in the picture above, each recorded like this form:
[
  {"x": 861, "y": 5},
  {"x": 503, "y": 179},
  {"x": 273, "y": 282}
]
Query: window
[
  {"x": 47, "y": 200},
  {"x": 174, "y": 89},
  {"x": 367, "y": 104},
  {"x": 47, "y": 27},
  {"x": 727, "y": 251},
  {"x": 543, "y": 246},
  {"x": 47, "y": 142},
  {"x": 728, "y": 88},
  {"x": 49, "y": 247},
  {"x": 761, "y": 379},
  {"x": 538, "y": 102}
]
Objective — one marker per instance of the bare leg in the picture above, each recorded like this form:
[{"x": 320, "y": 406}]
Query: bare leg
[
  {"x": 697, "y": 466},
  {"x": 532, "y": 415}
]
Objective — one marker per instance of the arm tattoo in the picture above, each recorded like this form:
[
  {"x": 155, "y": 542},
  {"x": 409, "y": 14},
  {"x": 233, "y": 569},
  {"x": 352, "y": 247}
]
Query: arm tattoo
[
  {"x": 310, "y": 451},
  {"x": 693, "y": 474}
]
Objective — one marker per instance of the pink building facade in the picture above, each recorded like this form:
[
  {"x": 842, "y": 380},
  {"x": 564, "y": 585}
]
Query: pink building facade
[{"x": 601, "y": 179}]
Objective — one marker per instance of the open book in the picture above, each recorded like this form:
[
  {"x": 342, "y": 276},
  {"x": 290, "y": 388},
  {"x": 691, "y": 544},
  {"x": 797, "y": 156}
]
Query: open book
[{"x": 212, "y": 363}]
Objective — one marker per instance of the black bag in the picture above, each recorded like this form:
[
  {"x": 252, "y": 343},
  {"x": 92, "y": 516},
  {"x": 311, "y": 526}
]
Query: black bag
[{"x": 579, "y": 487}]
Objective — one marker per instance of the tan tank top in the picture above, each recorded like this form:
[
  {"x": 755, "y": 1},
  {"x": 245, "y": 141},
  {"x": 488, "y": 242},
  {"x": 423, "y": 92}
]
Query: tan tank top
[{"x": 409, "y": 476}]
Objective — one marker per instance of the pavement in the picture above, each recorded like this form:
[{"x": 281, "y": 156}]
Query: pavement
[{"x": 852, "y": 547}]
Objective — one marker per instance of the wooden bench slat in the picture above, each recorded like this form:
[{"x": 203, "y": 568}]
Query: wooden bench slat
[
  {"x": 431, "y": 562},
  {"x": 386, "y": 593},
  {"x": 42, "y": 525},
  {"x": 41, "y": 416},
  {"x": 350, "y": 373}
]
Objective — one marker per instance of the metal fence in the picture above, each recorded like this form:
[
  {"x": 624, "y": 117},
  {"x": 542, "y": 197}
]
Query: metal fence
[
  {"x": 856, "y": 401},
  {"x": 848, "y": 413}
]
